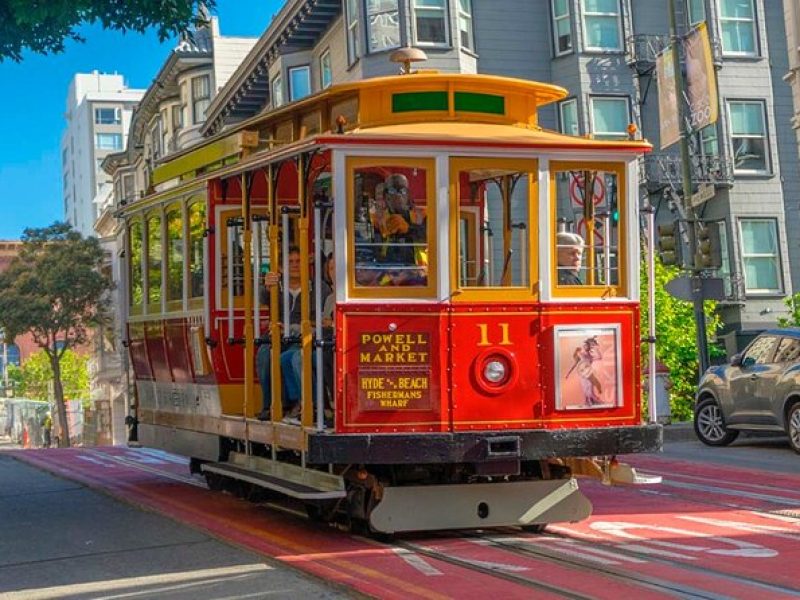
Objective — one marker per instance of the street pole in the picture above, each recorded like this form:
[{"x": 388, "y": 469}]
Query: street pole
[{"x": 686, "y": 176}]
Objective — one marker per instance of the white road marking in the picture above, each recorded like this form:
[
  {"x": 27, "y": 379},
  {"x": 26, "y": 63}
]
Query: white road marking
[
  {"x": 416, "y": 561},
  {"x": 770, "y": 530}
]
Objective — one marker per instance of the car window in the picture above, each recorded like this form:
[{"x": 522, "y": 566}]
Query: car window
[
  {"x": 760, "y": 351},
  {"x": 788, "y": 350}
]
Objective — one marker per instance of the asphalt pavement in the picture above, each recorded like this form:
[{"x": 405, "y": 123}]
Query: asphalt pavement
[{"x": 60, "y": 539}]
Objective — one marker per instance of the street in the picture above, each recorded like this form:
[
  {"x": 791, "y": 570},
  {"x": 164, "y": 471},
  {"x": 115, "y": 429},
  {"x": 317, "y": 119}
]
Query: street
[{"x": 725, "y": 522}]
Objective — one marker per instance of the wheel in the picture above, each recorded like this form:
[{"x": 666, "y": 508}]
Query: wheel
[
  {"x": 215, "y": 482},
  {"x": 793, "y": 426},
  {"x": 709, "y": 425}
]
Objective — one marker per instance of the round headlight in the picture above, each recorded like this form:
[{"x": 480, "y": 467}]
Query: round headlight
[{"x": 494, "y": 371}]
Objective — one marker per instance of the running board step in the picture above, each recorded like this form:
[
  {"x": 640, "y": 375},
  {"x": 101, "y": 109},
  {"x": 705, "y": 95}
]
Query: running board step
[
  {"x": 479, "y": 505},
  {"x": 290, "y": 480}
]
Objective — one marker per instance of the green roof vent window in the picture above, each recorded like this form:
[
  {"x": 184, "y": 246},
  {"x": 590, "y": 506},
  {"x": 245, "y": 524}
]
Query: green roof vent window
[
  {"x": 414, "y": 101},
  {"x": 481, "y": 103}
]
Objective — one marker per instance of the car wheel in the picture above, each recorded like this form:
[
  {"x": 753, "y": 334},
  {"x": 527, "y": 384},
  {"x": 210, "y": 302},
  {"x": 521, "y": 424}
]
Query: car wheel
[
  {"x": 709, "y": 425},
  {"x": 793, "y": 426}
]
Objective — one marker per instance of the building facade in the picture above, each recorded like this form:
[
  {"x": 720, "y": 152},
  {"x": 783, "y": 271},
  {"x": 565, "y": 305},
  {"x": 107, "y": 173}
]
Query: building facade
[
  {"x": 98, "y": 113},
  {"x": 603, "y": 52},
  {"x": 167, "y": 120}
]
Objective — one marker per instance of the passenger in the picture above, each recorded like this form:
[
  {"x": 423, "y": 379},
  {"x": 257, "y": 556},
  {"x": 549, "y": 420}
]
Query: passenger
[
  {"x": 291, "y": 359},
  {"x": 569, "y": 248}
]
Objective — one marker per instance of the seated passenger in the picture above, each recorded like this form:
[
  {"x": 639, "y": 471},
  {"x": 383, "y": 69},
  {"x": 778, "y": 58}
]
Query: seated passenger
[
  {"x": 291, "y": 362},
  {"x": 569, "y": 249}
]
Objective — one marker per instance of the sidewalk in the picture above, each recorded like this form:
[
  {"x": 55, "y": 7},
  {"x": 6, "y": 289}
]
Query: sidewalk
[{"x": 59, "y": 539}]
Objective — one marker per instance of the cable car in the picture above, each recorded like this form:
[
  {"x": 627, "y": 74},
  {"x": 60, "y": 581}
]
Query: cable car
[{"x": 480, "y": 274}]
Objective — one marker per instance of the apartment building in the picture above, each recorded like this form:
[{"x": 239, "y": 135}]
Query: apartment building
[
  {"x": 603, "y": 52},
  {"x": 98, "y": 113}
]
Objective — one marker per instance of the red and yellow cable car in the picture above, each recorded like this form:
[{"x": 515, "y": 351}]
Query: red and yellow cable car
[{"x": 462, "y": 292}]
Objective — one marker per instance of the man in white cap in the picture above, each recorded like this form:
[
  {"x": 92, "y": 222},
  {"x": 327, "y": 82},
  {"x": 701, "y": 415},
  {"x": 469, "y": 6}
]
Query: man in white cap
[{"x": 570, "y": 258}]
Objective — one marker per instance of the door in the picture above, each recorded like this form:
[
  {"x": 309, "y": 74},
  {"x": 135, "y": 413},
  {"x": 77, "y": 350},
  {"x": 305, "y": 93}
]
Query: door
[{"x": 752, "y": 380}]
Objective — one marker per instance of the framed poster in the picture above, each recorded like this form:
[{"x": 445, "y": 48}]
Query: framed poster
[{"x": 587, "y": 367}]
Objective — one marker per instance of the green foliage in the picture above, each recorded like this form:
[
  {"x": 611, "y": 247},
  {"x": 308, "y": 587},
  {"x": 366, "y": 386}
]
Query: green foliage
[
  {"x": 793, "y": 304},
  {"x": 43, "y": 27},
  {"x": 676, "y": 345},
  {"x": 35, "y": 378},
  {"x": 56, "y": 290}
]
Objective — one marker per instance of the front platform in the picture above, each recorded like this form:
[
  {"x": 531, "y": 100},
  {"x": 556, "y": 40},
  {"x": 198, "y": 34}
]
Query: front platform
[{"x": 467, "y": 447}]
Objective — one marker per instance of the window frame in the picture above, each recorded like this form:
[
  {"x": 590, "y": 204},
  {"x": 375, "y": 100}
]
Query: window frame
[
  {"x": 116, "y": 120},
  {"x": 759, "y": 292},
  {"x": 104, "y": 135},
  {"x": 136, "y": 308},
  {"x": 561, "y": 105},
  {"x": 195, "y": 301},
  {"x": 554, "y": 28},
  {"x": 623, "y": 136},
  {"x": 754, "y": 23},
  {"x": 767, "y": 149},
  {"x": 427, "y": 292},
  {"x": 368, "y": 47},
  {"x": 620, "y": 29},
  {"x": 532, "y": 290},
  {"x": 470, "y": 18},
  {"x": 289, "y": 72},
  {"x": 695, "y": 3},
  {"x": 174, "y": 304},
  {"x": 352, "y": 30},
  {"x": 620, "y": 290},
  {"x": 326, "y": 54},
  {"x": 278, "y": 79},
  {"x": 154, "y": 307},
  {"x": 206, "y": 97},
  {"x": 445, "y": 9}
]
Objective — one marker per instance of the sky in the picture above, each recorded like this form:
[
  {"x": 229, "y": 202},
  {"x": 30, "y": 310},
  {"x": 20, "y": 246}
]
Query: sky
[{"x": 33, "y": 99}]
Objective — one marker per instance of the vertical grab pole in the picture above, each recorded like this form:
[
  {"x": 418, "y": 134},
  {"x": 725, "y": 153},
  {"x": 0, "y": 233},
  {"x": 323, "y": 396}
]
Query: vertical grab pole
[
  {"x": 285, "y": 272},
  {"x": 307, "y": 409},
  {"x": 276, "y": 406},
  {"x": 651, "y": 312},
  {"x": 607, "y": 249},
  {"x": 249, "y": 345},
  {"x": 318, "y": 318},
  {"x": 257, "y": 228},
  {"x": 230, "y": 230}
]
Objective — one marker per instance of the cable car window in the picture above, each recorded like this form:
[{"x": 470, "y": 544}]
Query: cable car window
[
  {"x": 391, "y": 227},
  {"x": 174, "y": 255},
  {"x": 154, "y": 260},
  {"x": 494, "y": 224},
  {"x": 135, "y": 274},
  {"x": 587, "y": 249},
  {"x": 197, "y": 218}
]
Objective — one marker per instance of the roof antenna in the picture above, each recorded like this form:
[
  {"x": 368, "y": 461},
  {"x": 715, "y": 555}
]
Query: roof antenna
[{"x": 405, "y": 56}]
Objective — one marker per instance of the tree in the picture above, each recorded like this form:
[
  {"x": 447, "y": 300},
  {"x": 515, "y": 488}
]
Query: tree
[
  {"x": 43, "y": 27},
  {"x": 33, "y": 379},
  {"x": 55, "y": 290},
  {"x": 676, "y": 345}
]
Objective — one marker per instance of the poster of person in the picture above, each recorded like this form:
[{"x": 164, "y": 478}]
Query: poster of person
[
  {"x": 701, "y": 83},
  {"x": 587, "y": 367}
]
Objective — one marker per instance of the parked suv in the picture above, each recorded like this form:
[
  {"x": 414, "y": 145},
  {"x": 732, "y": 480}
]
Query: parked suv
[{"x": 758, "y": 391}]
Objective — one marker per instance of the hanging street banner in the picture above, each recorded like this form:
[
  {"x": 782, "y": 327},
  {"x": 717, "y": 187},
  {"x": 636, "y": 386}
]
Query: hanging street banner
[
  {"x": 667, "y": 99},
  {"x": 701, "y": 79}
]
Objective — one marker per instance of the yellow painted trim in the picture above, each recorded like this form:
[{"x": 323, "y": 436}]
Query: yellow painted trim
[
  {"x": 429, "y": 291},
  {"x": 190, "y": 163},
  {"x": 592, "y": 291},
  {"x": 495, "y": 293}
]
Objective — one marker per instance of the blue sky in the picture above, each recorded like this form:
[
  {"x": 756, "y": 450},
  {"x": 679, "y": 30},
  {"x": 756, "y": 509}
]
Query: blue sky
[{"x": 33, "y": 95}]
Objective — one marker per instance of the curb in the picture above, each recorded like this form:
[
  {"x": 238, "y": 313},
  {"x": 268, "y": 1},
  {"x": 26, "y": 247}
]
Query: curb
[{"x": 680, "y": 432}]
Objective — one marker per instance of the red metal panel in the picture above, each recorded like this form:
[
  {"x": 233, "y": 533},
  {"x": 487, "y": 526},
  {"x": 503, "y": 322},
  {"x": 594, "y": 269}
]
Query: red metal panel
[
  {"x": 626, "y": 317},
  {"x": 507, "y": 333},
  {"x": 137, "y": 348},
  {"x": 157, "y": 351},
  {"x": 392, "y": 373},
  {"x": 178, "y": 348}
]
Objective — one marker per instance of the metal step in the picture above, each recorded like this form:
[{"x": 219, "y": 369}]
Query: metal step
[{"x": 290, "y": 480}]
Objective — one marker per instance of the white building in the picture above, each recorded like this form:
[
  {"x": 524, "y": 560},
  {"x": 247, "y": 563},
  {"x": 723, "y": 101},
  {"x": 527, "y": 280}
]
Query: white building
[{"x": 98, "y": 113}]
